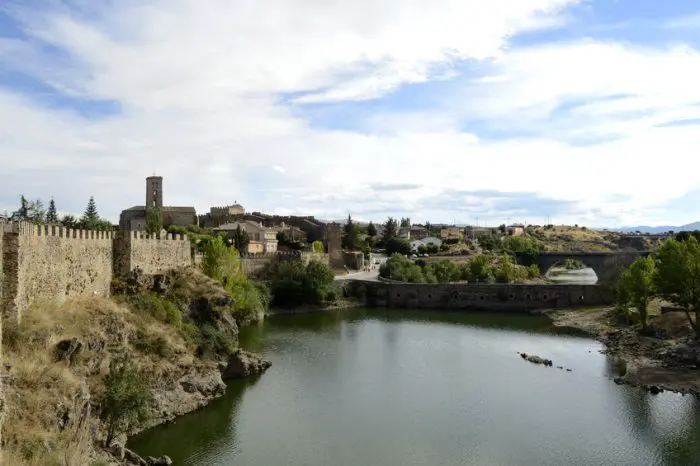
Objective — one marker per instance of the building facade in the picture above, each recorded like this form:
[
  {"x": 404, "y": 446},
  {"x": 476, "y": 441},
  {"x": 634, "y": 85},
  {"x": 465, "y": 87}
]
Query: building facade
[{"x": 134, "y": 218}]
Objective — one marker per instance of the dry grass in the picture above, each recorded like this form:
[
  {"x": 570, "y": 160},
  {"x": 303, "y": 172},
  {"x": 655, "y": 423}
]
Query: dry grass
[{"x": 46, "y": 423}]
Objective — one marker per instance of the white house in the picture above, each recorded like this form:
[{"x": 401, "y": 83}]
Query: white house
[{"x": 416, "y": 243}]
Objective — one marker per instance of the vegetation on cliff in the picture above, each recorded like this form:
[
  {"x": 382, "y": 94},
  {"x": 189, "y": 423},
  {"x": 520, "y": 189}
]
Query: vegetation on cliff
[
  {"x": 94, "y": 368},
  {"x": 483, "y": 268}
]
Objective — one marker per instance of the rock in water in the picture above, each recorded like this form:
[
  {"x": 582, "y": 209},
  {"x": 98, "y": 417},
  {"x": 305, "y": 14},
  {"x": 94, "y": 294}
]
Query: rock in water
[{"x": 242, "y": 364}]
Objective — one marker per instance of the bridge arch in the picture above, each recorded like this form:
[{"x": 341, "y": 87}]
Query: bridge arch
[{"x": 602, "y": 263}]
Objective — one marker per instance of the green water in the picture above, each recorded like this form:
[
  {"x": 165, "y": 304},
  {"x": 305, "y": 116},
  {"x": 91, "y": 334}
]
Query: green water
[{"x": 429, "y": 388}]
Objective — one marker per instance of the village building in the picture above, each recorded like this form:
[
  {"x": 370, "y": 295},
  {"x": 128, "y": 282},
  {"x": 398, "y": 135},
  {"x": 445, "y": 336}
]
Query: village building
[
  {"x": 134, "y": 218},
  {"x": 262, "y": 238}
]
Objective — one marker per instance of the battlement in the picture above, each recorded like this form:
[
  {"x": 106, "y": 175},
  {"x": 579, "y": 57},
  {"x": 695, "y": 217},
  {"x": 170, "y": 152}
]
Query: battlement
[
  {"x": 141, "y": 235},
  {"x": 28, "y": 229}
]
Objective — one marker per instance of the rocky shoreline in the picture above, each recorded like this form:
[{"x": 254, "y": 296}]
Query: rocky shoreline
[
  {"x": 194, "y": 390},
  {"x": 666, "y": 360}
]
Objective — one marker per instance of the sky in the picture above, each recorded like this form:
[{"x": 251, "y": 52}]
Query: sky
[{"x": 466, "y": 111}]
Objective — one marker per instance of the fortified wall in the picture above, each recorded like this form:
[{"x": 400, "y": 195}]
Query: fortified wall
[
  {"x": 496, "y": 297},
  {"x": 52, "y": 262}
]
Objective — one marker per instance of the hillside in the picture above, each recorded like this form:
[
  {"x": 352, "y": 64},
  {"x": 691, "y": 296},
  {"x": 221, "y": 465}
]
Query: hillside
[
  {"x": 661, "y": 228},
  {"x": 564, "y": 238},
  {"x": 178, "y": 331}
]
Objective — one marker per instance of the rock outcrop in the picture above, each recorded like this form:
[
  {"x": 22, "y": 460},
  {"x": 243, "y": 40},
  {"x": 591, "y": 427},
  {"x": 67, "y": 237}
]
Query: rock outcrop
[{"x": 242, "y": 364}]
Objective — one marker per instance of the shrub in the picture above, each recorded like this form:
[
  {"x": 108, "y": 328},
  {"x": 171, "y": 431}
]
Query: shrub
[
  {"x": 126, "y": 399},
  {"x": 149, "y": 344},
  {"x": 294, "y": 284}
]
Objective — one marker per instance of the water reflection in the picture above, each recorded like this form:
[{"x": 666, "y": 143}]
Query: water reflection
[
  {"x": 411, "y": 388},
  {"x": 202, "y": 436},
  {"x": 586, "y": 276}
]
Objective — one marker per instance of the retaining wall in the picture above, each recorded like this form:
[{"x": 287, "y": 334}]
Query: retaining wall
[{"x": 497, "y": 297}]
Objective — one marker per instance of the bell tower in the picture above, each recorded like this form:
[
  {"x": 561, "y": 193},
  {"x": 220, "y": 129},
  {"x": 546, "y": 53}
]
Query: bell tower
[{"x": 154, "y": 192}]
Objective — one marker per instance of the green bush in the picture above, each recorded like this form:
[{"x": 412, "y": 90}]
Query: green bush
[
  {"x": 158, "y": 307},
  {"x": 293, "y": 284},
  {"x": 149, "y": 344},
  {"x": 214, "y": 342},
  {"x": 127, "y": 399}
]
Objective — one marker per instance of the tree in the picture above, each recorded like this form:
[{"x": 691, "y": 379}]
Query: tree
[
  {"x": 36, "y": 213},
  {"x": 397, "y": 245},
  {"x": 371, "y": 229},
  {"x": 505, "y": 272},
  {"x": 405, "y": 222},
  {"x": 126, "y": 400},
  {"x": 90, "y": 217},
  {"x": 639, "y": 282},
  {"x": 241, "y": 239},
  {"x": 51, "y": 215},
  {"x": 154, "y": 220},
  {"x": 21, "y": 214},
  {"x": 350, "y": 234},
  {"x": 391, "y": 230},
  {"x": 69, "y": 221},
  {"x": 317, "y": 246},
  {"x": 678, "y": 277}
]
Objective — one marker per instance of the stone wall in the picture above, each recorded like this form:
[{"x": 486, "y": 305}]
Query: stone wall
[
  {"x": 51, "y": 262},
  {"x": 497, "y": 297},
  {"x": 354, "y": 260},
  {"x": 152, "y": 255},
  {"x": 254, "y": 264}
]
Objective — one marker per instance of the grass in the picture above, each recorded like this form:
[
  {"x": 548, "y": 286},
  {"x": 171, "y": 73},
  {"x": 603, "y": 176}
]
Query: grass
[{"x": 42, "y": 391}]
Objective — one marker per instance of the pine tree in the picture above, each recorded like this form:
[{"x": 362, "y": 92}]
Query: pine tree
[
  {"x": 350, "y": 236},
  {"x": 391, "y": 230},
  {"x": 91, "y": 214},
  {"x": 371, "y": 229},
  {"x": 90, "y": 219},
  {"x": 51, "y": 215}
]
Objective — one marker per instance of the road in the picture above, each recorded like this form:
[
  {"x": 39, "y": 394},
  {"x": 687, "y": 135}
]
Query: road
[{"x": 371, "y": 276}]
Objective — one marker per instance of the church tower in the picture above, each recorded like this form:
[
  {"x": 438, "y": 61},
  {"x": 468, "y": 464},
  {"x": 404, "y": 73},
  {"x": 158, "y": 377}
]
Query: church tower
[{"x": 154, "y": 192}]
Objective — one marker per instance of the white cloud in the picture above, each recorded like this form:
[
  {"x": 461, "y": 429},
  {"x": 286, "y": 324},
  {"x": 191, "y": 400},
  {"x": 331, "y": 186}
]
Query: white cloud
[{"x": 199, "y": 84}]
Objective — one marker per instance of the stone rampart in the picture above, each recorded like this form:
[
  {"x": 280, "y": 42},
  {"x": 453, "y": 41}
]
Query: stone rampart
[
  {"x": 52, "y": 262},
  {"x": 497, "y": 297},
  {"x": 151, "y": 254}
]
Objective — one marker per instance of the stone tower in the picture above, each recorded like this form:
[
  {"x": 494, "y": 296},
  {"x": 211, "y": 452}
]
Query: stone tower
[{"x": 154, "y": 192}]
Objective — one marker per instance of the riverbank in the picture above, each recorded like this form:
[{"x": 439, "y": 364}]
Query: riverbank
[
  {"x": 668, "y": 360},
  {"x": 180, "y": 341}
]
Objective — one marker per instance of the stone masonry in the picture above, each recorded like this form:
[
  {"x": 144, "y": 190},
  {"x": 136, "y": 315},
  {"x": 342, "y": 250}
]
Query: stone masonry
[{"x": 51, "y": 263}]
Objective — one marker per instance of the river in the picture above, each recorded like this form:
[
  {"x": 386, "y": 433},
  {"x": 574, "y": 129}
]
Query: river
[{"x": 407, "y": 388}]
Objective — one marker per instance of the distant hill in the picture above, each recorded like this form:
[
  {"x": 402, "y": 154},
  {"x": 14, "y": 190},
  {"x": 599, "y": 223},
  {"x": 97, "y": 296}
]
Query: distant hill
[{"x": 661, "y": 228}]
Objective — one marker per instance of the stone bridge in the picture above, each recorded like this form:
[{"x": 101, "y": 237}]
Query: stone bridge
[{"x": 601, "y": 262}]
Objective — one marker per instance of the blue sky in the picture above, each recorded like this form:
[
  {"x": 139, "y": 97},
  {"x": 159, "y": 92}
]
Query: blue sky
[{"x": 581, "y": 111}]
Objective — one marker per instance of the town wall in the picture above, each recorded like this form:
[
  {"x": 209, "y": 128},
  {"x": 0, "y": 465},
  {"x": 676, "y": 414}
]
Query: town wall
[
  {"x": 51, "y": 263},
  {"x": 496, "y": 297},
  {"x": 151, "y": 254}
]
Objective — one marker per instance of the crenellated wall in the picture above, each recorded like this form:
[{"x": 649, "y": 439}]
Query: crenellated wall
[
  {"x": 52, "y": 263},
  {"x": 152, "y": 255}
]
